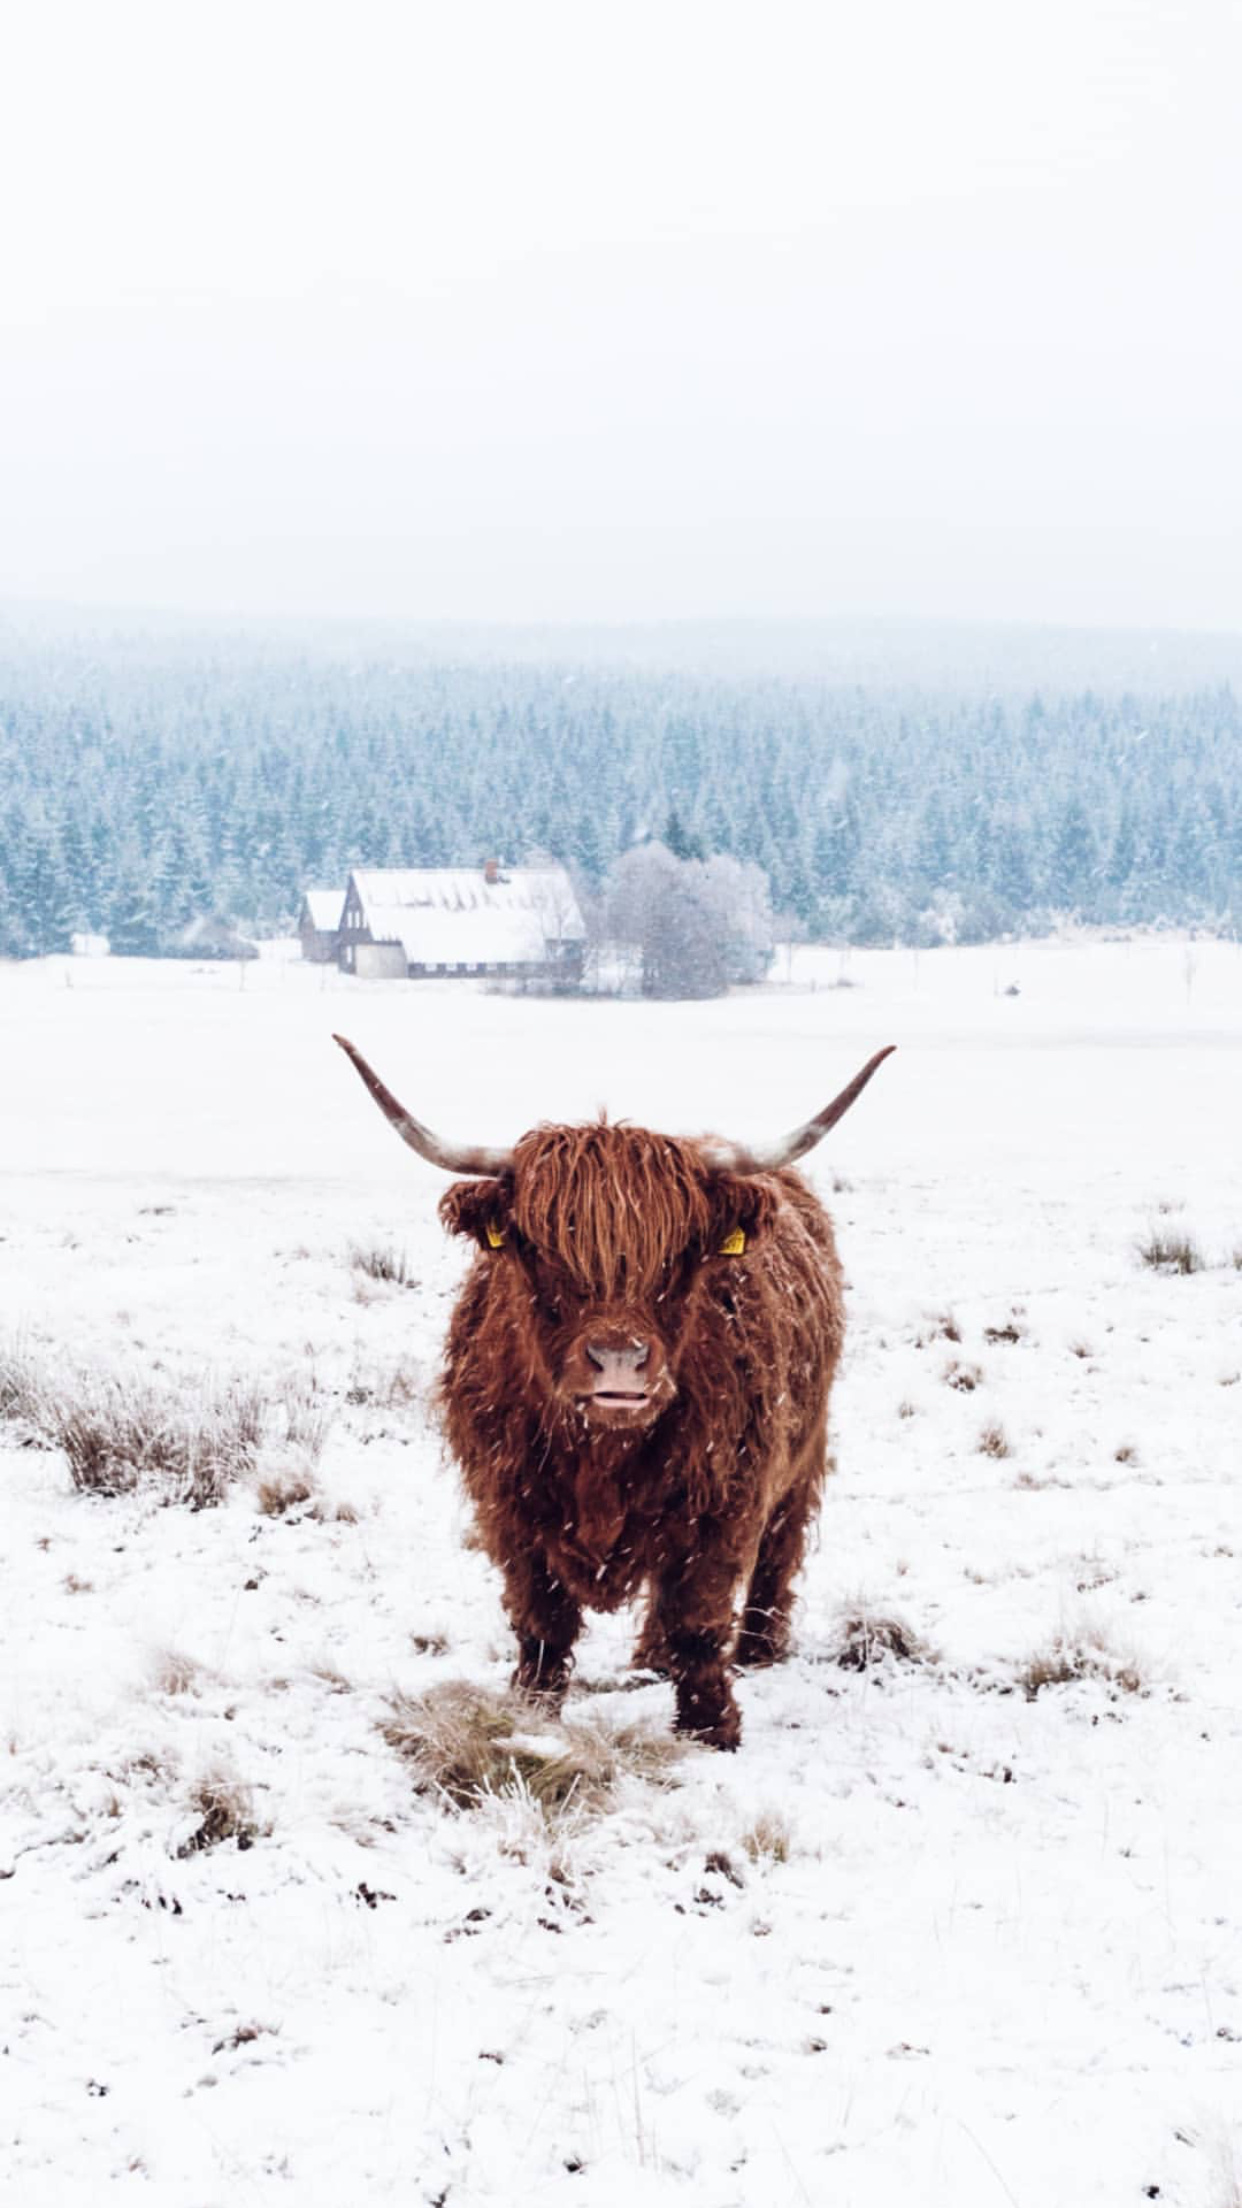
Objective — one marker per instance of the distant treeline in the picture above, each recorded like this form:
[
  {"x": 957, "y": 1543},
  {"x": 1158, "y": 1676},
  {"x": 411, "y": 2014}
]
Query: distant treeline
[{"x": 142, "y": 787}]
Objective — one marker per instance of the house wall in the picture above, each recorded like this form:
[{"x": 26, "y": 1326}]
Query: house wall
[
  {"x": 376, "y": 961},
  {"x": 318, "y": 944}
]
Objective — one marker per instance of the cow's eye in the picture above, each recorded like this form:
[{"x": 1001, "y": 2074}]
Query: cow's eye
[{"x": 550, "y": 1297}]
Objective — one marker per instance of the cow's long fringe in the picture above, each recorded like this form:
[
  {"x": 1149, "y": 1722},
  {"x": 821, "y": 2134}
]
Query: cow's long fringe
[{"x": 612, "y": 1205}]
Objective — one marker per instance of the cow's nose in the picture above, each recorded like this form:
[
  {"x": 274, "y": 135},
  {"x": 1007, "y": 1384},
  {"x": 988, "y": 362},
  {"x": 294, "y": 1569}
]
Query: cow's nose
[{"x": 631, "y": 1358}]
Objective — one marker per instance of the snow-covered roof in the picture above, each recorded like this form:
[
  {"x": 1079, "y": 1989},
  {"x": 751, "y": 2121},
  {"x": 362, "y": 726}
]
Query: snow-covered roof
[
  {"x": 325, "y": 907},
  {"x": 451, "y": 915}
]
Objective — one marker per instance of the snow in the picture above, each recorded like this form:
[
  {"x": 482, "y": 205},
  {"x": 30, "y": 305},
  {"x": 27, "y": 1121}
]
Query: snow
[{"x": 997, "y": 1955}]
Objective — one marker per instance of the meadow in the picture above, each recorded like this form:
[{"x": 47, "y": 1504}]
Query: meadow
[{"x": 301, "y": 1907}]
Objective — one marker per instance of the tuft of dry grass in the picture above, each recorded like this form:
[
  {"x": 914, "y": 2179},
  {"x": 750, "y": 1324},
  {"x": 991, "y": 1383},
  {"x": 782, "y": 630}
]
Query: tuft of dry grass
[
  {"x": 119, "y": 1435},
  {"x": 390, "y": 1387},
  {"x": 383, "y": 1261},
  {"x": 940, "y": 1327},
  {"x": 467, "y": 1744},
  {"x": 965, "y": 1378},
  {"x": 188, "y": 1439},
  {"x": 1087, "y": 1656},
  {"x": 173, "y": 1672},
  {"x": 865, "y": 1638},
  {"x": 993, "y": 1441},
  {"x": 225, "y": 1808},
  {"x": 281, "y": 1492},
  {"x": 1006, "y": 1333},
  {"x": 22, "y": 1390},
  {"x": 768, "y": 1837},
  {"x": 243, "y": 2036},
  {"x": 1163, "y": 1251}
]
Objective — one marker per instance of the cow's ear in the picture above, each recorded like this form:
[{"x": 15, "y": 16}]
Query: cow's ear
[
  {"x": 478, "y": 1208},
  {"x": 742, "y": 1211}
]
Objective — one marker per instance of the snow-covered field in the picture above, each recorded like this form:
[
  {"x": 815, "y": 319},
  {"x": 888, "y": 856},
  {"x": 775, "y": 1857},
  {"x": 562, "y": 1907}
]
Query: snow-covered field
[{"x": 952, "y": 1930}]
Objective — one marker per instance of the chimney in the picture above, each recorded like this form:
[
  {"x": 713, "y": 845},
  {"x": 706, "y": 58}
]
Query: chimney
[{"x": 491, "y": 870}]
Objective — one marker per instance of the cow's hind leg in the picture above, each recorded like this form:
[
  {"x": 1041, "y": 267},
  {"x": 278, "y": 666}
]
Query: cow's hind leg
[
  {"x": 763, "y": 1636},
  {"x": 547, "y": 1622}
]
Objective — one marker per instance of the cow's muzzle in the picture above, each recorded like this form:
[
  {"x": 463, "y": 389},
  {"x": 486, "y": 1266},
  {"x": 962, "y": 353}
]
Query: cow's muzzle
[{"x": 618, "y": 1376}]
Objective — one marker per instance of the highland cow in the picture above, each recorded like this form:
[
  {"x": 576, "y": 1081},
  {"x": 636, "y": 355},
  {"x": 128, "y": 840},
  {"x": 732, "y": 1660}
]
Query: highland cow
[{"x": 636, "y": 1383}]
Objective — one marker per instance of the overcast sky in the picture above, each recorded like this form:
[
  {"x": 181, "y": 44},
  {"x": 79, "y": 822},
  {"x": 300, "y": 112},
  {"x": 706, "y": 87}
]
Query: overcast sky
[{"x": 624, "y": 309}]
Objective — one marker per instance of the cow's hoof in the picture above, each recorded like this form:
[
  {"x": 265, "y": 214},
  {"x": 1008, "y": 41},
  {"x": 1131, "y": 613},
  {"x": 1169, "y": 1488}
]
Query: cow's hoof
[
  {"x": 720, "y": 1728},
  {"x": 547, "y": 1688},
  {"x": 727, "y": 1734}
]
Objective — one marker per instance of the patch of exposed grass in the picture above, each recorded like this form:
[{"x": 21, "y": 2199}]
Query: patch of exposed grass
[
  {"x": 118, "y": 1435},
  {"x": 1165, "y": 1251},
  {"x": 1086, "y": 1656},
  {"x": 467, "y": 1743},
  {"x": 965, "y": 1378},
  {"x": 225, "y": 1808},
  {"x": 243, "y": 2035},
  {"x": 941, "y": 1327},
  {"x": 383, "y": 1261},
  {"x": 993, "y": 1441},
  {"x": 388, "y": 1387},
  {"x": 189, "y": 1440},
  {"x": 1006, "y": 1333},
  {"x": 173, "y": 1672},
  {"x": 282, "y": 1492},
  {"x": 767, "y": 1837},
  {"x": 865, "y": 1638},
  {"x": 22, "y": 1390}
]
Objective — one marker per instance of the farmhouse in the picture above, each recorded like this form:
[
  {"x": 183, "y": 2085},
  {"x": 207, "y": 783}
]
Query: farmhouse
[
  {"x": 319, "y": 924},
  {"x": 520, "y": 921}
]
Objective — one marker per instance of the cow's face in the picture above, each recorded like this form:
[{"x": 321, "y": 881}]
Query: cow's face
[{"x": 607, "y": 1234}]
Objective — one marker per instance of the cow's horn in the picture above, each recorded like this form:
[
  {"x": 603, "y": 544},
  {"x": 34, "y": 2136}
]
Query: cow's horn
[
  {"x": 455, "y": 1158},
  {"x": 803, "y": 1138}
]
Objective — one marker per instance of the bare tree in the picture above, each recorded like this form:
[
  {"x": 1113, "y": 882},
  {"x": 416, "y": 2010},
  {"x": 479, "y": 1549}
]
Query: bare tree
[{"x": 693, "y": 926}]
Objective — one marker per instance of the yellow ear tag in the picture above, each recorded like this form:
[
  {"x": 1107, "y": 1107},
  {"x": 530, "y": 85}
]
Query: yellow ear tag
[
  {"x": 495, "y": 1239},
  {"x": 733, "y": 1244}
]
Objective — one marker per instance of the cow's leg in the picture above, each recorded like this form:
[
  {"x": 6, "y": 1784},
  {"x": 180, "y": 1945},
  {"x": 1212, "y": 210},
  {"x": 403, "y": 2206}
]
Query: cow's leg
[
  {"x": 692, "y": 1615},
  {"x": 547, "y": 1622},
  {"x": 764, "y": 1634},
  {"x": 651, "y": 1647}
]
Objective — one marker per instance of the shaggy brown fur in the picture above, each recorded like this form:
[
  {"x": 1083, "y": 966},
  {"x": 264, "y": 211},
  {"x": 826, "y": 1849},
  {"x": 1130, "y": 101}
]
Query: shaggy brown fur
[{"x": 633, "y": 1409}]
